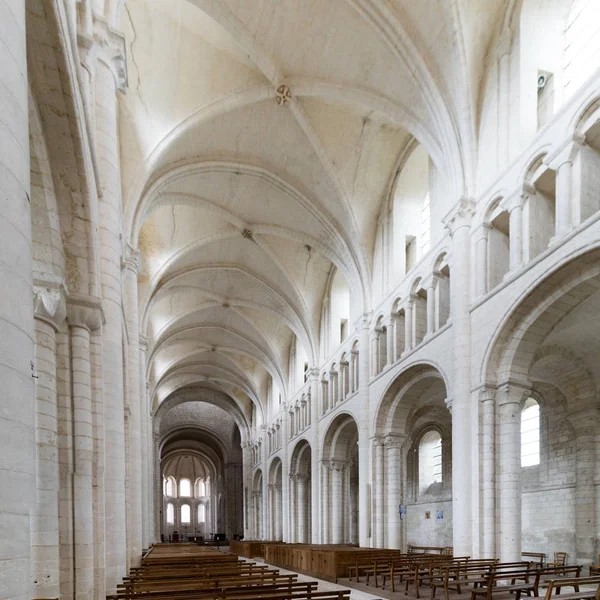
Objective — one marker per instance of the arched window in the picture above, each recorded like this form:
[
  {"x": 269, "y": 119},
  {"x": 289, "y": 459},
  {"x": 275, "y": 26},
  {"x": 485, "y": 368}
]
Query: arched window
[
  {"x": 186, "y": 516},
  {"x": 170, "y": 514},
  {"x": 530, "y": 433},
  {"x": 185, "y": 488},
  {"x": 201, "y": 513},
  {"x": 430, "y": 461},
  {"x": 200, "y": 488},
  {"x": 169, "y": 487},
  {"x": 207, "y": 487}
]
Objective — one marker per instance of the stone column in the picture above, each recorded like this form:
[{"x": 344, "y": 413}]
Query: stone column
[
  {"x": 146, "y": 443},
  {"x": 84, "y": 316},
  {"x": 395, "y": 496},
  {"x": 458, "y": 222},
  {"x": 375, "y": 358},
  {"x": 17, "y": 412},
  {"x": 408, "y": 327},
  {"x": 431, "y": 305},
  {"x": 336, "y": 502},
  {"x": 364, "y": 450},
  {"x": 246, "y": 474},
  {"x": 110, "y": 77},
  {"x": 488, "y": 472},
  {"x": 315, "y": 471},
  {"x": 585, "y": 423},
  {"x": 49, "y": 307},
  {"x": 378, "y": 492},
  {"x": 390, "y": 336},
  {"x": 157, "y": 486},
  {"x": 325, "y": 502},
  {"x": 509, "y": 480},
  {"x": 302, "y": 497},
  {"x": 515, "y": 209},
  {"x": 130, "y": 266},
  {"x": 278, "y": 519},
  {"x": 481, "y": 261}
]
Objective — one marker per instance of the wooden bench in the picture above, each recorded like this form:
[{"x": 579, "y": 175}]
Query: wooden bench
[
  {"x": 575, "y": 583},
  {"x": 517, "y": 581},
  {"x": 540, "y": 556}
]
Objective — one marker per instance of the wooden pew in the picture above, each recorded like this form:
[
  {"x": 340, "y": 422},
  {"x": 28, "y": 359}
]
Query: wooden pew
[
  {"x": 577, "y": 594},
  {"x": 540, "y": 556}
]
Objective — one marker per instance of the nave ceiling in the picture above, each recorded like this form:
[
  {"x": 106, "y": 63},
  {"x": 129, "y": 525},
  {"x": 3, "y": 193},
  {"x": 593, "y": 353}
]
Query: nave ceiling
[{"x": 244, "y": 201}]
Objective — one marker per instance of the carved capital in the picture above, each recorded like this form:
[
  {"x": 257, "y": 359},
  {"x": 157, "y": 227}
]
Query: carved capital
[
  {"x": 338, "y": 465},
  {"x": 111, "y": 50},
  {"x": 448, "y": 402},
  {"x": 364, "y": 321},
  {"x": 144, "y": 343},
  {"x": 131, "y": 260},
  {"x": 487, "y": 394},
  {"x": 84, "y": 311},
  {"x": 49, "y": 302},
  {"x": 513, "y": 392},
  {"x": 460, "y": 215},
  {"x": 394, "y": 441}
]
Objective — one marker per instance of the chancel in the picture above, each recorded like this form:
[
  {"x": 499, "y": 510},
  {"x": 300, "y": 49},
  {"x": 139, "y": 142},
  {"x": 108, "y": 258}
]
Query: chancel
[{"x": 288, "y": 272}]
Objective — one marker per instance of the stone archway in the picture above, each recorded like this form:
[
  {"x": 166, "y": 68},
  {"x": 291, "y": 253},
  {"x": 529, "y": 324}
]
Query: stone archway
[
  {"x": 274, "y": 498},
  {"x": 300, "y": 487},
  {"x": 544, "y": 350},
  {"x": 340, "y": 481},
  {"x": 413, "y": 404}
]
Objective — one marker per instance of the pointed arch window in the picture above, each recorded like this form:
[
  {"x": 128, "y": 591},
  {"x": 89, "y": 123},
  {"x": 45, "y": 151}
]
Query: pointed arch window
[{"x": 530, "y": 433}]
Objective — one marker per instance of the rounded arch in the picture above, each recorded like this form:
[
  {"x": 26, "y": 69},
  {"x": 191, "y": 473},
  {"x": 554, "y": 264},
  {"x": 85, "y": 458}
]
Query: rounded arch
[
  {"x": 394, "y": 410},
  {"x": 535, "y": 312},
  {"x": 340, "y": 438},
  {"x": 300, "y": 460}
]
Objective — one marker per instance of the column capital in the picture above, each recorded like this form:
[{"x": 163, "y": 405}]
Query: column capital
[
  {"x": 566, "y": 152},
  {"x": 392, "y": 440},
  {"x": 84, "y": 311},
  {"x": 460, "y": 215},
  {"x": 49, "y": 303},
  {"x": 131, "y": 260},
  {"x": 313, "y": 373},
  {"x": 364, "y": 321},
  {"x": 448, "y": 402},
  {"x": 144, "y": 343},
  {"x": 513, "y": 392},
  {"x": 111, "y": 49},
  {"x": 337, "y": 465},
  {"x": 487, "y": 393},
  {"x": 377, "y": 440}
]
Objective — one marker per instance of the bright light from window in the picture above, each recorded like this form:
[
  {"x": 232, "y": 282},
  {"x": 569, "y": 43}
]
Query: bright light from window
[
  {"x": 186, "y": 516},
  {"x": 170, "y": 514},
  {"x": 169, "y": 487},
  {"x": 430, "y": 460},
  {"x": 201, "y": 513},
  {"x": 530, "y": 433},
  {"x": 185, "y": 488}
]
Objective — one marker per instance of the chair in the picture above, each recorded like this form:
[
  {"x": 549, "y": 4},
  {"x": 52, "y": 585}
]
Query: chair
[
  {"x": 560, "y": 560},
  {"x": 595, "y": 569}
]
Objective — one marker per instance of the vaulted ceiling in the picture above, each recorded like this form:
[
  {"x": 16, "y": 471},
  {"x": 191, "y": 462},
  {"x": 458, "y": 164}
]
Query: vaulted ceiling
[{"x": 259, "y": 139}]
